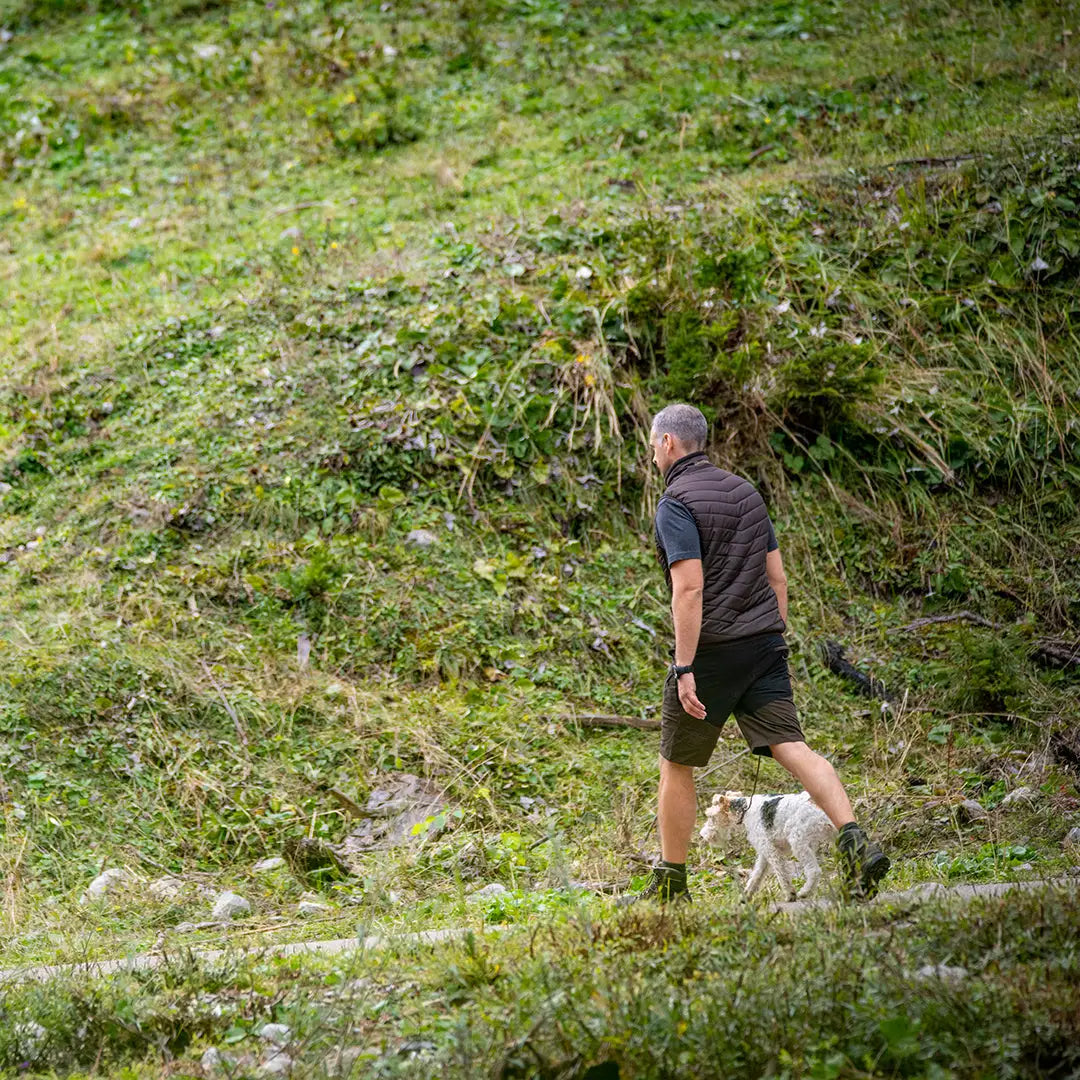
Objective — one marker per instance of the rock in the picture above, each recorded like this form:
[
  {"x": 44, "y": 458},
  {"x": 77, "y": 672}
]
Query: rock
[
  {"x": 1025, "y": 866},
  {"x": 185, "y": 928},
  {"x": 264, "y": 866},
  {"x": 1072, "y": 839},
  {"x": 213, "y": 1059},
  {"x": 423, "y": 538},
  {"x": 30, "y": 1037},
  {"x": 402, "y": 802},
  {"x": 970, "y": 810},
  {"x": 306, "y": 908},
  {"x": 488, "y": 892},
  {"x": 340, "y": 1062},
  {"x": 207, "y": 52},
  {"x": 942, "y": 972},
  {"x": 278, "y": 1034},
  {"x": 1020, "y": 794},
  {"x": 108, "y": 881},
  {"x": 229, "y": 905},
  {"x": 278, "y": 1064},
  {"x": 166, "y": 888},
  {"x": 414, "y": 1047},
  {"x": 293, "y": 232}
]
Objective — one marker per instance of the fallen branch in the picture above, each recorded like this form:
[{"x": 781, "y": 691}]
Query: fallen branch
[
  {"x": 832, "y": 653},
  {"x": 1050, "y": 652},
  {"x": 599, "y": 720},
  {"x": 936, "y": 620},
  {"x": 1053, "y": 652},
  {"x": 760, "y": 151},
  {"x": 300, "y": 206},
  {"x": 241, "y": 734}
]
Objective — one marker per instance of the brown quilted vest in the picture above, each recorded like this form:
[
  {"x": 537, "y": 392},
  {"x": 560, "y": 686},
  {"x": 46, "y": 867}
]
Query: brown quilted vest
[{"x": 737, "y": 599}]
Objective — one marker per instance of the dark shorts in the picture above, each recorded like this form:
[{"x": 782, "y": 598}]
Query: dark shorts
[{"x": 748, "y": 678}]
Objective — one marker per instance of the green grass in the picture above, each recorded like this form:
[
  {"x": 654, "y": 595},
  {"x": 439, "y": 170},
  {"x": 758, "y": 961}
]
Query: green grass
[{"x": 283, "y": 284}]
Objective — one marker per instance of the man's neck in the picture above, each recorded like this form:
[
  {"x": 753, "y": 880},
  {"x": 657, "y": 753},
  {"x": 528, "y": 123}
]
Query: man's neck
[{"x": 683, "y": 461}]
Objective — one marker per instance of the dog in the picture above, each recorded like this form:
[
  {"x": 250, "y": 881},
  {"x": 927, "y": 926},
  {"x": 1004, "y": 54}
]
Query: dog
[{"x": 779, "y": 827}]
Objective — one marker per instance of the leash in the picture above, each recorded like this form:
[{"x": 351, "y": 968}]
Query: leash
[{"x": 757, "y": 773}]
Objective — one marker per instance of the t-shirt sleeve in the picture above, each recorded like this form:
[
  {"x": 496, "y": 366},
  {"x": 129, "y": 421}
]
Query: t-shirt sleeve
[
  {"x": 677, "y": 531},
  {"x": 773, "y": 545}
]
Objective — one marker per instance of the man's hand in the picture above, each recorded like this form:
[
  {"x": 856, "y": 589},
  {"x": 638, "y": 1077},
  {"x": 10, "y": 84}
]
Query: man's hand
[{"x": 688, "y": 696}]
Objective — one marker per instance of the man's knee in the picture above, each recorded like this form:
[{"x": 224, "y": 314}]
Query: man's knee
[{"x": 791, "y": 751}]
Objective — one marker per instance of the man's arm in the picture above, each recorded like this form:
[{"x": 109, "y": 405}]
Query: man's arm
[
  {"x": 774, "y": 569},
  {"x": 687, "y": 583}
]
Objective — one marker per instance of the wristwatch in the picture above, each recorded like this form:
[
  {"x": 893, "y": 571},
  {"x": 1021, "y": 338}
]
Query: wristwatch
[{"x": 681, "y": 669}]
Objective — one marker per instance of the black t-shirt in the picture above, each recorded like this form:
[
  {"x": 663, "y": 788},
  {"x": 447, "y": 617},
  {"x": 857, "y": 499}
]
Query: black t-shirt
[{"x": 678, "y": 532}]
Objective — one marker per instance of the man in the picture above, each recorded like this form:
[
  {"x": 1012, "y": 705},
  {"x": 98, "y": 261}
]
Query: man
[{"x": 729, "y": 606}]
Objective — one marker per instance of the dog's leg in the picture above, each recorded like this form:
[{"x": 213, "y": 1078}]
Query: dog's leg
[
  {"x": 779, "y": 867},
  {"x": 754, "y": 883},
  {"x": 811, "y": 868}
]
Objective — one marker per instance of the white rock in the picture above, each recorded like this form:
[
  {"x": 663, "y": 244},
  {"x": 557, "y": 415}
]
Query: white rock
[
  {"x": 970, "y": 810},
  {"x": 583, "y": 273},
  {"x": 277, "y": 1065},
  {"x": 213, "y": 1059},
  {"x": 1072, "y": 839},
  {"x": 1020, "y": 794},
  {"x": 488, "y": 892},
  {"x": 306, "y": 908},
  {"x": 278, "y": 1034},
  {"x": 108, "y": 881},
  {"x": 29, "y": 1038},
  {"x": 166, "y": 888},
  {"x": 421, "y": 538},
  {"x": 942, "y": 972},
  {"x": 264, "y": 866},
  {"x": 228, "y": 905},
  {"x": 207, "y": 52}
]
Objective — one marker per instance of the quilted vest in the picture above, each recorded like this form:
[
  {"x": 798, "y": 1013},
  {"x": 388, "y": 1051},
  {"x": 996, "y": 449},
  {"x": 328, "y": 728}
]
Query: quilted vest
[{"x": 737, "y": 599}]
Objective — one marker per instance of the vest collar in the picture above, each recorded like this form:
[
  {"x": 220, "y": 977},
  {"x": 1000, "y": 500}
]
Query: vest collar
[{"x": 677, "y": 468}]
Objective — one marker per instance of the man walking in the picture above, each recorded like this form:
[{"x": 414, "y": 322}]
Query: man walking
[{"x": 729, "y": 606}]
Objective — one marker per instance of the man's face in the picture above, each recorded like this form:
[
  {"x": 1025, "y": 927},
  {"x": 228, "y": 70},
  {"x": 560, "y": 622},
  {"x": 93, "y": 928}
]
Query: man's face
[{"x": 662, "y": 450}]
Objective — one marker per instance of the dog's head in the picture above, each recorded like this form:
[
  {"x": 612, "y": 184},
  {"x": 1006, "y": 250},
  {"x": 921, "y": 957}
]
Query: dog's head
[{"x": 726, "y": 811}]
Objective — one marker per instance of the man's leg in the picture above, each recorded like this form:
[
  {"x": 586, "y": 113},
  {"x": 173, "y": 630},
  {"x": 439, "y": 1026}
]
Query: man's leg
[
  {"x": 676, "y": 813},
  {"x": 818, "y": 777},
  {"x": 676, "y": 810},
  {"x": 862, "y": 862}
]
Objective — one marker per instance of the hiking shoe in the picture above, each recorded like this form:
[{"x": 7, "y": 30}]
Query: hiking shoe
[
  {"x": 862, "y": 863},
  {"x": 664, "y": 887}
]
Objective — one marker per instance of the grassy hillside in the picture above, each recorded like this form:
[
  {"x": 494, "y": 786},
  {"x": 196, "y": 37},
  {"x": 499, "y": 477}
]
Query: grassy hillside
[{"x": 329, "y": 338}]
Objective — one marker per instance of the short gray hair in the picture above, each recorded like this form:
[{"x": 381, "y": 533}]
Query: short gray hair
[{"x": 683, "y": 422}]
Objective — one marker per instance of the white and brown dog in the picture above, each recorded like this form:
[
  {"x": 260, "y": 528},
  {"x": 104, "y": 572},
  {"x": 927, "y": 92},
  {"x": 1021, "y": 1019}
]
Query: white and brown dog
[{"x": 779, "y": 827}]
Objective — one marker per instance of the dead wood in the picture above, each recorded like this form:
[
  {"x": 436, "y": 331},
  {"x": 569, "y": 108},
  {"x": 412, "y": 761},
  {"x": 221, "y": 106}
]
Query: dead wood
[
  {"x": 599, "y": 720},
  {"x": 832, "y": 653}
]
